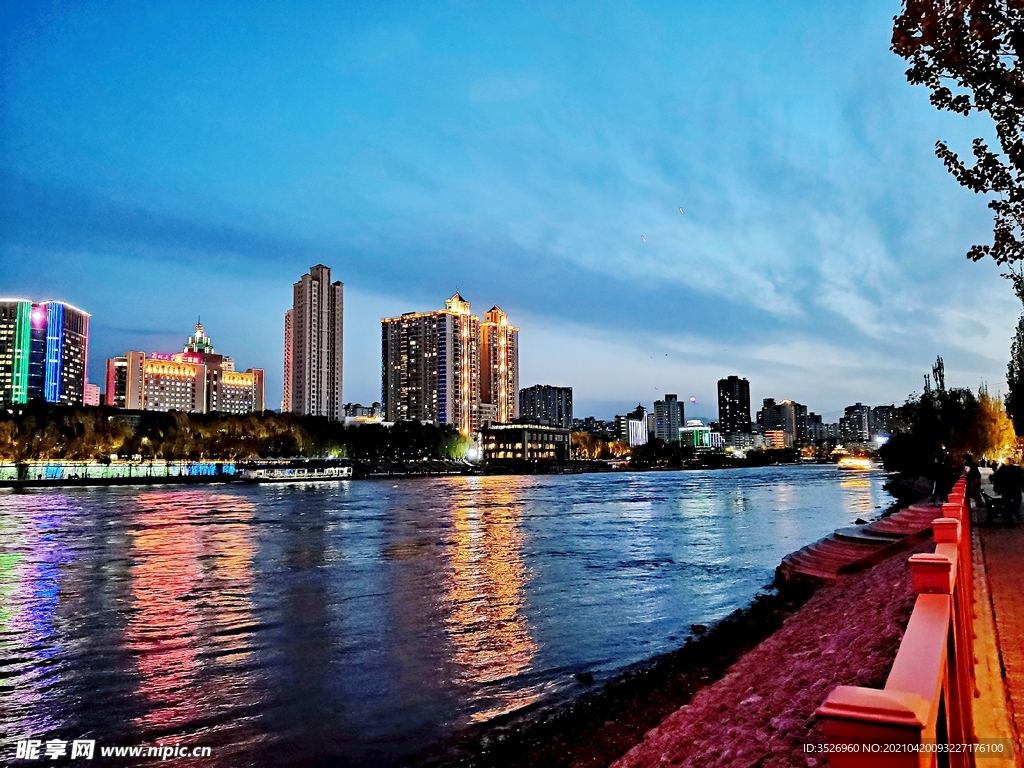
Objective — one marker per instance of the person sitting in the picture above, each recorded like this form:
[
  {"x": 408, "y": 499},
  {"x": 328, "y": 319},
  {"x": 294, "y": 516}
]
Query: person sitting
[{"x": 1007, "y": 481}]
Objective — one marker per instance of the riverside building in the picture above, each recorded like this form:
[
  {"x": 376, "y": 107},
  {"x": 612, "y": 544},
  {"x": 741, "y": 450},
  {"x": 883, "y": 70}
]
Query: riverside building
[
  {"x": 434, "y": 364},
  {"x": 44, "y": 351},
  {"x": 314, "y": 346},
  {"x": 195, "y": 380}
]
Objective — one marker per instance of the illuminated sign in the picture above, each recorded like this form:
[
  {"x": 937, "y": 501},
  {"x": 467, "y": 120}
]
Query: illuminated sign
[{"x": 177, "y": 357}]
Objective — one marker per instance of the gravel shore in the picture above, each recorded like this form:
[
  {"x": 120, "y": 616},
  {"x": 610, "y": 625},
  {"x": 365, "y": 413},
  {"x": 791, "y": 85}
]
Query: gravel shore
[{"x": 743, "y": 693}]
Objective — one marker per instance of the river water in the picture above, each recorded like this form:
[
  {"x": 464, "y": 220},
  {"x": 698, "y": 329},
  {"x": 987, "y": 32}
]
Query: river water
[{"x": 359, "y": 622}]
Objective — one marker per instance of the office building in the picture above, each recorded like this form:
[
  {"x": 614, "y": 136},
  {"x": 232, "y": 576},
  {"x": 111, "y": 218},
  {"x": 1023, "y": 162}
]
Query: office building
[
  {"x": 668, "y": 419},
  {"x": 546, "y": 405},
  {"x": 499, "y": 367},
  {"x": 431, "y": 366},
  {"x": 44, "y": 352},
  {"x": 314, "y": 346},
  {"x": 195, "y": 380},
  {"x": 733, "y": 405}
]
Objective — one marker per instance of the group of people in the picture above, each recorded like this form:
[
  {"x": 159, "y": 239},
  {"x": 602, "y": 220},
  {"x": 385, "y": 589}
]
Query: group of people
[{"x": 1007, "y": 483}]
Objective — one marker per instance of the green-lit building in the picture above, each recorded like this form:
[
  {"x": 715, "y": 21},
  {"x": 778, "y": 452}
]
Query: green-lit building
[{"x": 43, "y": 352}]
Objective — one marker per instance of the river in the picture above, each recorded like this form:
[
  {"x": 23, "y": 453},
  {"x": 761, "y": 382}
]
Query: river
[{"x": 362, "y": 621}]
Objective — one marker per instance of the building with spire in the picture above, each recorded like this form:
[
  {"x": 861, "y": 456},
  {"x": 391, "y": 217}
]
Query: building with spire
[
  {"x": 314, "y": 346},
  {"x": 195, "y": 380}
]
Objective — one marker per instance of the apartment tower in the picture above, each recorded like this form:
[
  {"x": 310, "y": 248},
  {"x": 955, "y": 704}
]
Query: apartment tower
[
  {"x": 499, "y": 365},
  {"x": 314, "y": 343},
  {"x": 430, "y": 366}
]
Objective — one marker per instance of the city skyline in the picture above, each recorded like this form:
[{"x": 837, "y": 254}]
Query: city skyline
[{"x": 819, "y": 250}]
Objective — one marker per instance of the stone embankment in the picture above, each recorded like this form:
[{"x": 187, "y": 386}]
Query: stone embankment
[
  {"x": 762, "y": 712},
  {"x": 854, "y": 549}
]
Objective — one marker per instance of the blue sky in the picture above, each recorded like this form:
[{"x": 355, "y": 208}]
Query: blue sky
[{"x": 159, "y": 161}]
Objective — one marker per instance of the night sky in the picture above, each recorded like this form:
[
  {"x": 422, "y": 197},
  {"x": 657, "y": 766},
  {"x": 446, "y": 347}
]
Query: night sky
[{"x": 161, "y": 161}]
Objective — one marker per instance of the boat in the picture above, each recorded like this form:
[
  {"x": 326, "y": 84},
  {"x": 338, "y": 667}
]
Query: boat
[
  {"x": 856, "y": 463},
  {"x": 295, "y": 474}
]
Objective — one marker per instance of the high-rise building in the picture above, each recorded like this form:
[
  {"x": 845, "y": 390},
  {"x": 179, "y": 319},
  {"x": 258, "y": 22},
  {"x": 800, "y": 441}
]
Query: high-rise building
[
  {"x": 286, "y": 392},
  {"x": 770, "y": 415},
  {"x": 546, "y": 405},
  {"x": 430, "y": 365},
  {"x": 794, "y": 422},
  {"x": 881, "y": 420},
  {"x": 44, "y": 352},
  {"x": 734, "y": 405},
  {"x": 499, "y": 365},
  {"x": 668, "y": 415},
  {"x": 314, "y": 346},
  {"x": 195, "y": 380},
  {"x": 854, "y": 426}
]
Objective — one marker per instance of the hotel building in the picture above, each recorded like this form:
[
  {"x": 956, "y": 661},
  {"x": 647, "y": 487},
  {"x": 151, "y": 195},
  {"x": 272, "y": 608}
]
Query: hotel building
[
  {"x": 195, "y": 380},
  {"x": 447, "y": 367},
  {"x": 44, "y": 352},
  {"x": 314, "y": 346}
]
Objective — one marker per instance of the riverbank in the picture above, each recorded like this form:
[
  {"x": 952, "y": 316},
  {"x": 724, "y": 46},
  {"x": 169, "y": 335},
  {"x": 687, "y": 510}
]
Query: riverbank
[
  {"x": 744, "y": 691},
  {"x": 600, "y": 725}
]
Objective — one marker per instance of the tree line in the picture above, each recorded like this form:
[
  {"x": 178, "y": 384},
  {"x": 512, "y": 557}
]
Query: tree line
[{"x": 47, "y": 431}]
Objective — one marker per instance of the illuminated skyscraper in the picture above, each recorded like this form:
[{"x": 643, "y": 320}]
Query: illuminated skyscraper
[
  {"x": 499, "y": 365},
  {"x": 315, "y": 346},
  {"x": 431, "y": 366},
  {"x": 43, "y": 352},
  {"x": 733, "y": 405}
]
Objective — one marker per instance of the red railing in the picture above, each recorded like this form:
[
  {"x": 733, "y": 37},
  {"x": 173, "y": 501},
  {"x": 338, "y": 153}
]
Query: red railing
[{"x": 927, "y": 697}]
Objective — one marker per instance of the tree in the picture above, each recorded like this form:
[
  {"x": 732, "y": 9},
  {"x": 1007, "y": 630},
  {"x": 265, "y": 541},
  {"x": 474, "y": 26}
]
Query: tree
[
  {"x": 968, "y": 52},
  {"x": 1015, "y": 379},
  {"x": 994, "y": 437}
]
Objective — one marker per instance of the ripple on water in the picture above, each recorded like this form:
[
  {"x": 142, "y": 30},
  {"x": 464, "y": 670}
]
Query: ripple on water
[{"x": 363, "y": 621}]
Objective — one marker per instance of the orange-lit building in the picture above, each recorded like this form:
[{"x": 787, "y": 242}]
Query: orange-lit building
[
  {"x": 196, "y": 380},
  {"x": 447, "y": 367}
]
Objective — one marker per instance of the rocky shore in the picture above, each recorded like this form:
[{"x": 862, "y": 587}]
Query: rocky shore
[{"x": 743, "y": 692}]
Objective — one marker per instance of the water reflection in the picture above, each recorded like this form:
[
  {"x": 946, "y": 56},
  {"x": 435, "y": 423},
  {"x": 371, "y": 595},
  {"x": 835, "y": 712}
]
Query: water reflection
[
  {"x": 31, "y": 567},
  {"x": 485, "y": 588},
  {"x": 190, "y": 588},
  {"x": 857, "y": 495}
]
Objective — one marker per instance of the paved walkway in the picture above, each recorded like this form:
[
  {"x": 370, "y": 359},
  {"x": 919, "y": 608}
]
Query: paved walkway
[{"x": 1002, "y": 549}]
